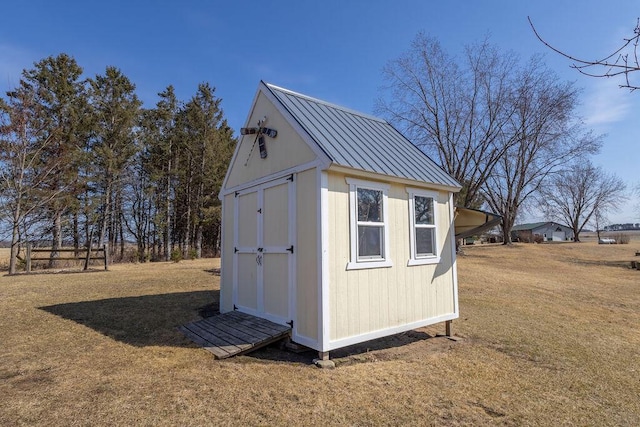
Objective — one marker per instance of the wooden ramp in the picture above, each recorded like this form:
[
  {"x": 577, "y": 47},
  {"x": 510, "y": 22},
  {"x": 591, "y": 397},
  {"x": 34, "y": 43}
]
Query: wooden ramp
[{"x": 233, "y": 333}]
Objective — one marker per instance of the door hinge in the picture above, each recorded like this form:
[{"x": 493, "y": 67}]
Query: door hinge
[
  {"x": 237, "y": 192},
  {"x": 260, "y": 210},
  {"x": 290, "y": 178},
  {"x": 235, "y": 307},
  {"x": 290, "y": 323},
  {"x": 235, "y": 250},
  {"x": 290, "y": 249}
]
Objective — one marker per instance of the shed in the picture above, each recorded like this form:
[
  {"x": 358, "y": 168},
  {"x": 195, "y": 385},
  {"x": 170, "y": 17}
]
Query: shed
[
  {"x": 547, "y": 231},
  {"x": 335, "y": 224}
]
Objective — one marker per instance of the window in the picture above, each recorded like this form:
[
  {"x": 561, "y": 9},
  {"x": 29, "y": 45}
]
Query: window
[
  {"x": 368, "y": 224},
  {"x": 422, "y": 220}
]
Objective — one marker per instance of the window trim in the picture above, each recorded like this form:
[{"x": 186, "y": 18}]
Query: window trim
[
  {"x": 414, "y": 259},
  {"x": 385, "y": 261}
]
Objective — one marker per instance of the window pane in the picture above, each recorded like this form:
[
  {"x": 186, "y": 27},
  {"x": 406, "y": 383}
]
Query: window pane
[
  {"x": 369, "y": 205},
  {"x": 423, "y": 207},
  {"x": 369, "y": 241},
  {"x": 424, "y": 241}
]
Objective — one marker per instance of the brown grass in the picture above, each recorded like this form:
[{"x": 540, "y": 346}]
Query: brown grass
[{"x": 550, "y": 336}]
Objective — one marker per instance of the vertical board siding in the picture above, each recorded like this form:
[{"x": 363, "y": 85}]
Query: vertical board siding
[
  {"x": 368, "y": 300},
  {"x": 306, "y": 252},
  {"x": 285, "y": 151}
]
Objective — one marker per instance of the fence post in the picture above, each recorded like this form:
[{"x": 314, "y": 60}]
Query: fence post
[
  {"x": 106, "y": 261},
  {"x": 28, "y": 266},
  {"x": 87, "y": 258}
]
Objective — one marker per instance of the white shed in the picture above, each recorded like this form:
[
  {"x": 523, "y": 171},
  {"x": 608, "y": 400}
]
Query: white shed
[
  {"x": 545, "y": 231},
  {"x": 335, "y": 224}
]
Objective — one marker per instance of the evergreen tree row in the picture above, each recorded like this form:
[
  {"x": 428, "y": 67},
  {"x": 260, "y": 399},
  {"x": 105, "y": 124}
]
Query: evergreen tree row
[{"x": 82, "y": 163}]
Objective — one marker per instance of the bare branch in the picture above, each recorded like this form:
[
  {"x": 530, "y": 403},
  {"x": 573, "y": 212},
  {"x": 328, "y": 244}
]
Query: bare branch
[{"x": 615, "y": 64}]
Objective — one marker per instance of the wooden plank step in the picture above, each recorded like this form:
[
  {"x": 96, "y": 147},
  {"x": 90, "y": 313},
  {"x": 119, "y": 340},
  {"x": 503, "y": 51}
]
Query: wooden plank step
[
  {"x": 257, "y": 322},
  {"x": 237, "y": 327},
  {"x": 233, "y": 333},
  {"x": 218, "y": 352}
]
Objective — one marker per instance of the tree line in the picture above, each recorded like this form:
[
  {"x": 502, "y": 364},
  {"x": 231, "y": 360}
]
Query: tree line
[
  {"x": 83, "y": 163},
  {"x": 505, "y": 128}
]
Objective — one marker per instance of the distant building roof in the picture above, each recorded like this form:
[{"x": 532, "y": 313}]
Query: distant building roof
[
  {"x": 360, "y": 141},
  {"x": 534, "y": 225}
]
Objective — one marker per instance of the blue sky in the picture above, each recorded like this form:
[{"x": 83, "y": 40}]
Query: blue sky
[{"x": 333, "y": 50}]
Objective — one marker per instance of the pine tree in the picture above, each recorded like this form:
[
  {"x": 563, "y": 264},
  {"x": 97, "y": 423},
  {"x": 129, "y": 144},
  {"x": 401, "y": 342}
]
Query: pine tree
[
  {"x": 54, "y": 85},
  {"x": 115, "y": 109}
]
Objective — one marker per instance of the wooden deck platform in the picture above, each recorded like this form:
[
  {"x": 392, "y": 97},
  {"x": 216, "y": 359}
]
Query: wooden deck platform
[{"x": 233, "y": 333}]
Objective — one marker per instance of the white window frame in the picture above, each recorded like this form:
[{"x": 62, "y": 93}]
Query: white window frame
[
  {"x": 354, "y": 262},
  {"x": 414, "y": 258}
]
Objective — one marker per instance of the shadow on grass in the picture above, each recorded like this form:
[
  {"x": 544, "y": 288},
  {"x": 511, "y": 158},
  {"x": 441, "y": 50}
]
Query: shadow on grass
[
  {"x": 147, "y": 320},
  {"x": 603, "y": 263},
  {"x": 385, "y": 348},
  {"x": 152, "y": 320}
]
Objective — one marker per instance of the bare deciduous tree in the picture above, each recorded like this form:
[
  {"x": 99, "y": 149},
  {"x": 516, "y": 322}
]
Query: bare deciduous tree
[
  {"x": 636, "y": 191},
  {"x": 455, "y": 111},
  {"x": 621, "y": 62},
  {"x": 580, "y": 193},
  {"x": 546, "y": 136},
  {"x": 23, "y": 174}
]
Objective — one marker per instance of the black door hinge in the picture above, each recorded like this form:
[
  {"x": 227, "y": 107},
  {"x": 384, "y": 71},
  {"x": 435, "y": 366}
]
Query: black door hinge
[
  {"x": 290, "y": 323},
  {"x": 235, "y": 250},
  {"x": 235, "y": 307},
  {"x": 290, "y": 249},
  {"x": 290, "y": 178}
]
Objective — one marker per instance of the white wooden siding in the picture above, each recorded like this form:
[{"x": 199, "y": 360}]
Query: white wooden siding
[{"x": 365, "y": 301}]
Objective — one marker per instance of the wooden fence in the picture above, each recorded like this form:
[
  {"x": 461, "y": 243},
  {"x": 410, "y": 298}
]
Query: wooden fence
[{"x": 80, "y": 254}]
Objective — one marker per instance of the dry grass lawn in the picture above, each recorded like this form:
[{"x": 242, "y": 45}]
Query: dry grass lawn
[{"x": 550, "y": 336}]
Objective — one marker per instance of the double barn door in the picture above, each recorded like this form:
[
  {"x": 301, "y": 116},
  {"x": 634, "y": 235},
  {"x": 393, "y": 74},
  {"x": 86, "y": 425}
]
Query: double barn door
[{"x": 263, "y": 253}]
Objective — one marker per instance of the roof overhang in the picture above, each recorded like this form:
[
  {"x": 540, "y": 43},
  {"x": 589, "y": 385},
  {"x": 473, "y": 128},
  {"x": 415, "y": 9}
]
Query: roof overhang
[{"x": 469, "y": 222}]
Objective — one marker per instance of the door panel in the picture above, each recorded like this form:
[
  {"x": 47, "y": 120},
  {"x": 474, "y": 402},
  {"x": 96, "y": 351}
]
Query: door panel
[
  {"x": 276, "y": 284},
  {"x": 246, "y": 217},
  {"x": 276, "y": 216},
  {"x": 247, "y": 281}
]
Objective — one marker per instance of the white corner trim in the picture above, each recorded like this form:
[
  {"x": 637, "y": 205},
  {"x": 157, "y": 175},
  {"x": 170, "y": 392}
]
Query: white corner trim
[
  {"x": 454, "y": 262},
  {"x": 324, "y": 312},
  {"x": 306, "y": 341}
]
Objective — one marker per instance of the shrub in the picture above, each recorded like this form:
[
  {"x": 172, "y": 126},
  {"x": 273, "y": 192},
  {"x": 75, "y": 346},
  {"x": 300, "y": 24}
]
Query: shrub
[
  {"x": 538, "y": 238},
  {"x": 176, "y": 255},
  {"x": 621, "y": 238},
  {"x": 193, "y": 254}
]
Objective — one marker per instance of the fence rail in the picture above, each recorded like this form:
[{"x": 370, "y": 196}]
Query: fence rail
[{"x": 88, "y": 254}]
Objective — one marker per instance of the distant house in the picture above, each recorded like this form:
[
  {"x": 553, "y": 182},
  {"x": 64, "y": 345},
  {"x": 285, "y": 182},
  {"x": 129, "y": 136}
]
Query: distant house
[{"x": 544, "y": 231}]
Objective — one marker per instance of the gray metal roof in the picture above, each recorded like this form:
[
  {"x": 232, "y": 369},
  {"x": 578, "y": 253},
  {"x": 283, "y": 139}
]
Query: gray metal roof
[
  {"x": 534, "y": 225},
  {"x": 360, "y": 141}
]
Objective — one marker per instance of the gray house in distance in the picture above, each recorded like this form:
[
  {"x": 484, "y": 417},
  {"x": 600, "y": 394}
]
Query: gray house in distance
[{"x": 548, "y": 231}]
